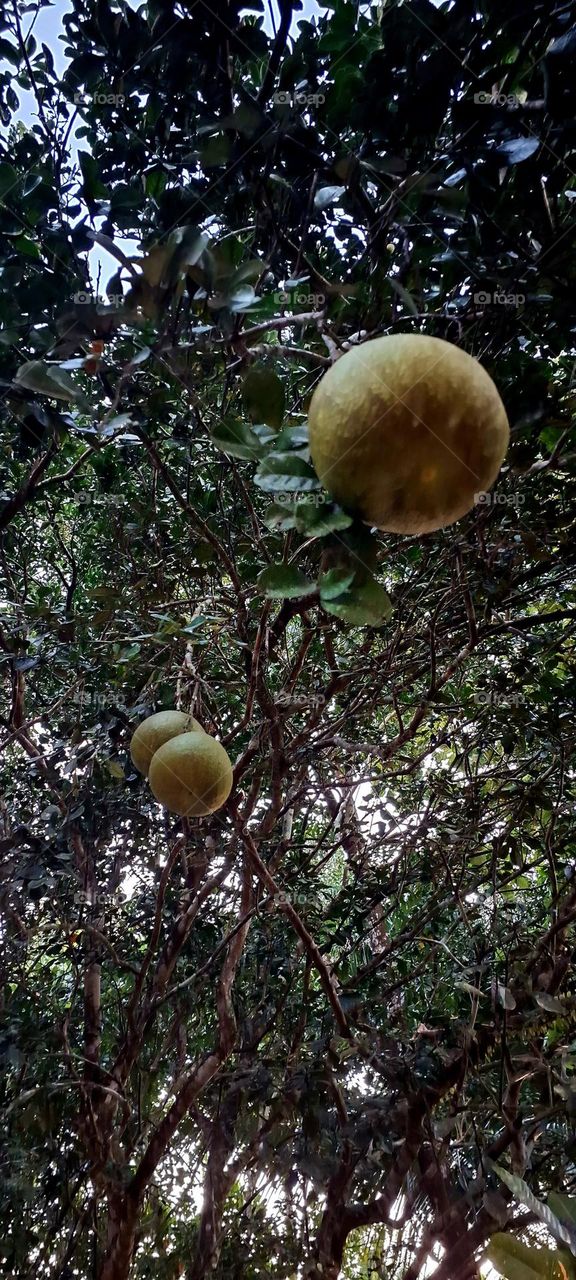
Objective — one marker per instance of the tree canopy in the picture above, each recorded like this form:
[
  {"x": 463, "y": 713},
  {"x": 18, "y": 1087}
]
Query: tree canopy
[{"x": 329, "y": 1030}]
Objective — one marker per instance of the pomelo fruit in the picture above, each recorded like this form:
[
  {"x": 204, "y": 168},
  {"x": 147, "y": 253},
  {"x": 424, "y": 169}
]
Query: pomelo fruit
[
  {"x": 155, "y": 731},
  {"x": 191, "y": 774},
  {"x": 405, "y": 430}
]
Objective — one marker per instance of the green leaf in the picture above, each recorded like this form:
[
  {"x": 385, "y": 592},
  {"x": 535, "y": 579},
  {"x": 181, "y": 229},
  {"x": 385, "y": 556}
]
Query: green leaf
[
  {"x": 119, "y": 420},
  {"x": 362, "y": 545},
  {"x": 246, "y": 119},
  {"x": 194, "y": 625},
  {"x": 281, "y": 516},
  {"x": 550, "y": 1003},
  {"x": 564, "y": 1207},
  {"x": 266, "y": 435},
  {"x": 308, "y": 517},
  {"x": 125, "y": 653},
  {"x": 155, "y": 183},
  {"x": 505, "y": 997},
  {"x": 236, "y": 438},
  {"x": 8, "y": 179},
  {"x": 241, "y": 299},
  {"x": 102, "y": 593},
  {"x": 292, "y": 437},
  {"x": 247, "y": 273},
  {"x": 284, "y": 582},
  {"x": 520, "y": 1189},
  {"x": 406, "y": 297},
  {"x": 115, "y": 768},
  {"x": 48, "y": 380},
  {"x": 327, "y": 196},
  {"x": 187, "y": 245},
  {"x": 517, "y": 1261},
  {"x": 514, "y": 150},
  {"x": 26, "y": 247},
  {"x": 94, "y": 188},
  {"x": 317, "y": 519},
  {"x": 335, "y": 582},
  {"x": 263, "y": 396},
  {"x": 285, "y": 471},
  {"x": 367, "y": 604},
  {"x": 216, "y": 152},
  {"x": 139, "y": 357}
]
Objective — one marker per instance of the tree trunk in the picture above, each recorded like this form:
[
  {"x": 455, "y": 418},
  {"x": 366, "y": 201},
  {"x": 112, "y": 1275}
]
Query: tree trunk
[
  {"x": 326, "y": 1263},
  {"x": 122, "y": 1221},
  {"x": 216, "y": 1188}
]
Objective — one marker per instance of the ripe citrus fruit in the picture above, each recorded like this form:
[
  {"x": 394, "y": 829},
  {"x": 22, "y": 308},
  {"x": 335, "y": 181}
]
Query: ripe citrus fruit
[
  {"x": 191, "y": 774},
  {"x": 405, "y": 430},
  {"x": 155, "y": 731}
]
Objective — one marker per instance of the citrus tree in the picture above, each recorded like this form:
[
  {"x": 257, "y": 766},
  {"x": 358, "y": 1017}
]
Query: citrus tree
[{"x": 330, "y": 1029}]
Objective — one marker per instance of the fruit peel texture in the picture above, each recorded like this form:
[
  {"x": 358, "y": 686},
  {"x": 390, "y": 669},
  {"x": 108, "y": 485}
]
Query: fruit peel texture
[
  {"x": 405, "y": 431},
  {"x": 191, "y": 775},
  {"x": 153, "y": 732}
]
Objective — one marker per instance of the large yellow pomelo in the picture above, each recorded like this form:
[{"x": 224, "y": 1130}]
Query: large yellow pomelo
[
  {"x": 155, "y": 731},
  {"x": 191, "y": 774},
  {"x": 405, "y": 430}
]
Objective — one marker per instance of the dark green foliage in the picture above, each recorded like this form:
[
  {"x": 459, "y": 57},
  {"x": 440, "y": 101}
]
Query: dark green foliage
[{"x": 230, "y": 1046}]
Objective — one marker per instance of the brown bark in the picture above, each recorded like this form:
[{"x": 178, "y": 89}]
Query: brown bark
[
  {"x": 326, "y": 1261},
  {"x": 28, "y": 487},
  {"x": 124, "y": 1209},
  {"x": 217, "y": 1184},
  {"x": 121, "y": 1242}
]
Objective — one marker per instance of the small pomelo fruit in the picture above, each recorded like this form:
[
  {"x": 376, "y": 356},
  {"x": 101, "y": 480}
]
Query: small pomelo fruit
[
  {"x": 191, "y": 775},
  {"x": 405, "y": 430},
  {"x": 155, "y": 731}
]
